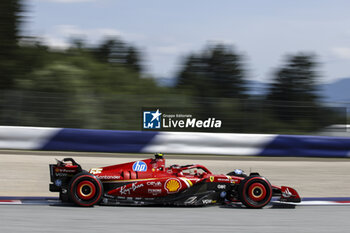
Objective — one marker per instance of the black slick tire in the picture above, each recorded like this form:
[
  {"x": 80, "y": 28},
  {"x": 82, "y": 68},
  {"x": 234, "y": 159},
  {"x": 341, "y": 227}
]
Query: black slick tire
[{"x": 85, "y": 189}]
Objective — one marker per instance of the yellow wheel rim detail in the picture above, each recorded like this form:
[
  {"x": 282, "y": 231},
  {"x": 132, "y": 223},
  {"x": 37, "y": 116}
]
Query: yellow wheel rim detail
[
  {"x": 81, "y": 190},
  {"x": 257, "y": 188}
]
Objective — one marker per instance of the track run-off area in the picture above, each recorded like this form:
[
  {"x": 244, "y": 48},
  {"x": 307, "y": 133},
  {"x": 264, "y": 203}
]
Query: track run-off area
[{"x": 27, "y": 174}]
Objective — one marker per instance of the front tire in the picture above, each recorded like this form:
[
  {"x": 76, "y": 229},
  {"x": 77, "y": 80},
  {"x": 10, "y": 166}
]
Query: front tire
[
  {"x": 85, "y": 189},
  {"x": 255, "y": 192}
]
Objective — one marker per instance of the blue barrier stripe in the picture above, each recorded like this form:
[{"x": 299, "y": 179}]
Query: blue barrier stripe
[
  {"x": 138, "y": 141},
  {"x": 307, "y": 146},
  {"x": 99, "y": 140}
]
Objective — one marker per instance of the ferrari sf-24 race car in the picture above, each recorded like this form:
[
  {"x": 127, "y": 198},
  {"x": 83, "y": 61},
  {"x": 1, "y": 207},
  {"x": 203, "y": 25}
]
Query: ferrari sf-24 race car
[{"x": 150, "y": 182}]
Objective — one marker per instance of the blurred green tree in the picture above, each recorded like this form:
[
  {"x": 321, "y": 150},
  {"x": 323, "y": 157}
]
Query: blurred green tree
[
  {"x": 215, "y": 78},
  {"x": 73, "y": 89},
  {"x": 132, "y": 59},
  {"x": 117, "y": 52},
  {"x": 215, "y": 72},
  {"x": 293, "y": 94},
  {"x": 296, "y": 80},
  {"x": 10, "y": 21}
]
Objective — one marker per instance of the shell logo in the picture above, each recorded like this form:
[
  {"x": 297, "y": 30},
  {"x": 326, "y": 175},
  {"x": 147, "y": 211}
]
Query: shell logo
[{"x": 172, "y": 185}]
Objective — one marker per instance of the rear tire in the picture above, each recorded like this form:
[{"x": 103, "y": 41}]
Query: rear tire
[
  {"x": 85, "y": 189},
  {"x": 255, "y": 192}
]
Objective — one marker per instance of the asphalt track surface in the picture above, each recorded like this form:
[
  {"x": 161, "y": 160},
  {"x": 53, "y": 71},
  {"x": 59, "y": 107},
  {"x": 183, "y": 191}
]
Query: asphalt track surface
[{"x": 22, "y": 218}]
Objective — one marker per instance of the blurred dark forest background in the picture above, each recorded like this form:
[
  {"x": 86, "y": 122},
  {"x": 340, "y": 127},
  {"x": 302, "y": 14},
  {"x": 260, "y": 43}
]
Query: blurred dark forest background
[{"x": 105, "y": 86}]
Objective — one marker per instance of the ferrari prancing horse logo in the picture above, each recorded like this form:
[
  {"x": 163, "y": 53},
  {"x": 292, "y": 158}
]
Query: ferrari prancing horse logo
[{"x": 172, "y": 185}]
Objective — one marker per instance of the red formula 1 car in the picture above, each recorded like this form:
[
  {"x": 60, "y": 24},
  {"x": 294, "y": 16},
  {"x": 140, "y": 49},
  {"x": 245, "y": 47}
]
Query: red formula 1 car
[{"x": 149, "y": 182}]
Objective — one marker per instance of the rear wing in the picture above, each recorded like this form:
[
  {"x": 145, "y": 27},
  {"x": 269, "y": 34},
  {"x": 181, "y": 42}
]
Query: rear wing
[{"x": 62, "y": 172}]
